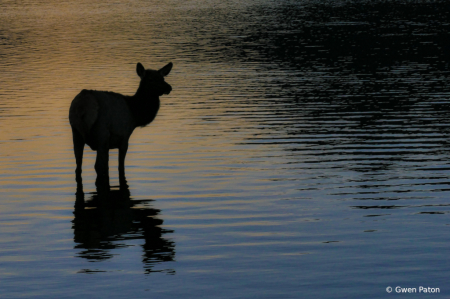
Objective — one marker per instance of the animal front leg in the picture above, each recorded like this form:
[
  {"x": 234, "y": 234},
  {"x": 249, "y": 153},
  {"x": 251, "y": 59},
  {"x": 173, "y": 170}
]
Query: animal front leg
[
  {"x": 122, "y": 153},
  {"x": 102, "y": 168}
]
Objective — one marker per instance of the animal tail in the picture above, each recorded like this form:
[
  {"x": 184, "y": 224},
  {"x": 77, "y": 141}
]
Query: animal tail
[{"x": 83, "y": 112}]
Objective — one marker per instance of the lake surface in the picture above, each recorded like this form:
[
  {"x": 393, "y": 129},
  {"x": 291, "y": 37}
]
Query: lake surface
[{"x": 304, "y": 151}]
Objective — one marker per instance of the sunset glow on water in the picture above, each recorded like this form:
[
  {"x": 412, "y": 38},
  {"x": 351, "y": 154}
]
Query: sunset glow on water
[{"x": 303, "y": 151}]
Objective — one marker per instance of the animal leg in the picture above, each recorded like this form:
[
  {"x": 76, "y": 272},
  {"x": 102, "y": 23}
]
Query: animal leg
[
  {"x": 78, "y": 147},
  {"x": 122, "y": 153},
  {"x": 102, "y": 168}
]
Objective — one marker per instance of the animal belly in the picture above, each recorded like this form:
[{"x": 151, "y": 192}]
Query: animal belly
[
  {"x": 92, "y": 144},
  {"x": 115, "y": 141}
]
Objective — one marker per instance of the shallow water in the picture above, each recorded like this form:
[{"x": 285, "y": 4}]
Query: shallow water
[{"x": 303, "y": 152}]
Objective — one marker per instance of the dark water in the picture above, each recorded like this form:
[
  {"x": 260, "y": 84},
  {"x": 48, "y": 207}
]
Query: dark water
[{"x": 303, "y": 152}]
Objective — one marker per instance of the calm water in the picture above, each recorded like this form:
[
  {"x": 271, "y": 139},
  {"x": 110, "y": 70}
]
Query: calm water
[{"x": 303, "y": 153}]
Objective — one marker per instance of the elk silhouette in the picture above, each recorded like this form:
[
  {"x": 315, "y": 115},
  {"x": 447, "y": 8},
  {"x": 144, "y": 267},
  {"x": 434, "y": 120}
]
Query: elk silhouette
[{"x": 105, "y": 120}]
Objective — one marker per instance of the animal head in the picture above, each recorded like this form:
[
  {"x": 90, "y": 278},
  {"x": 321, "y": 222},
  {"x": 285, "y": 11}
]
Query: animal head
[{"x": 153, "y": 81}]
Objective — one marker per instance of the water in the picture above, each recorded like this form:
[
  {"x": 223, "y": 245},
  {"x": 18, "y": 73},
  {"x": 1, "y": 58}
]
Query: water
[{"x": 303, "y": 152}]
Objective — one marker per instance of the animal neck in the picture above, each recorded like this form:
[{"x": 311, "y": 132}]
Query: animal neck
[{"x": 144, "y": 106}]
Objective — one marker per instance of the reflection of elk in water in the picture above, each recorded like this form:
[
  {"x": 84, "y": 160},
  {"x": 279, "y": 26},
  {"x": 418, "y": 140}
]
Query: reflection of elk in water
[
  {"x": 102, "y": 226},
  {"x": 106, "y": 120}
]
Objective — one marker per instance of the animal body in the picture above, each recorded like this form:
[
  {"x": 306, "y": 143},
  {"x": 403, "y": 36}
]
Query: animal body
[{"x": 105, "y": 120}]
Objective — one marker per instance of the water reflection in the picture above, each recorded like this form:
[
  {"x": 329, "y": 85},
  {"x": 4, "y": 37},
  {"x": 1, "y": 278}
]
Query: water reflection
[
  {"x": 298, "y": 127},
  {"x": 107, "y": 222},
  {"x": 355, "y": 94}
]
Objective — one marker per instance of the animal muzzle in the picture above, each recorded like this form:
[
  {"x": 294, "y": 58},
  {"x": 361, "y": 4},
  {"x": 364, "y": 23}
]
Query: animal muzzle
[{"x": 168, "y": 89}]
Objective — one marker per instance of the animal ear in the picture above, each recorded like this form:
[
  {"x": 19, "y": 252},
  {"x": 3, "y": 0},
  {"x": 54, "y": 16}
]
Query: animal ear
[
  {"x": 166, "y": 70},
  {"x": 140, "y": 70}
]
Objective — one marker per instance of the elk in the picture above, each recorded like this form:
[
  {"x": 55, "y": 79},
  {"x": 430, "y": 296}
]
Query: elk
[{"x": 105, "y": 120}]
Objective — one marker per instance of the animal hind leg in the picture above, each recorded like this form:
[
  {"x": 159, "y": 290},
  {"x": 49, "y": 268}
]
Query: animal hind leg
[
  {"x": 78, "y": 147},
  {"x": 102, "y": 168}
]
